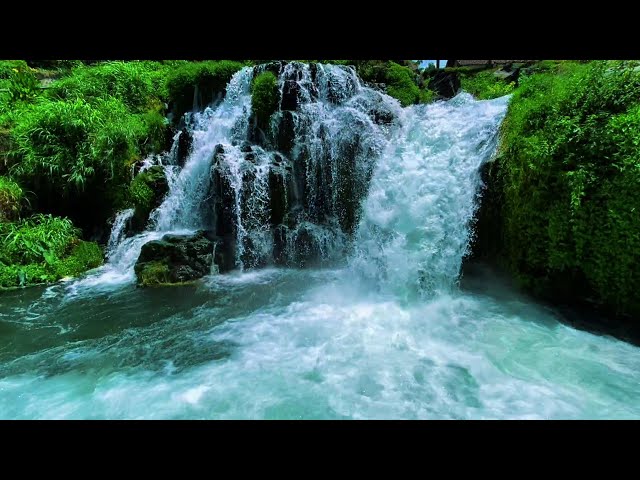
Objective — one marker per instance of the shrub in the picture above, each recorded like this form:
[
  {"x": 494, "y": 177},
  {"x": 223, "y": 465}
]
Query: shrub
[
  {"x": 484, "y": 85},
  {"x": 22, "y": 86},
  {"x": 9, "y": 67},
  {"x": 41, "y": 249},
  {"x": 83, "y": 256},
  {"x": 401, "y": 85},
  {"x": 66, "y": 144},
  {"x": 136, "y": 84},
  {"x": 11, "y": 197},
  {"x": 265, "y": 97},
  {"x": 37, "y": 239}
]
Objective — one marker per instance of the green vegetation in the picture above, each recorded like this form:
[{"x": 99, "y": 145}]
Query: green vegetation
[
  {"x": 138, "y": 85},
  {"x": 568, "y": 173},
  {"x": 41, "y": 249},
  {"x": 146, "y": 192},
  {"x": 265, "y": 97},
  {"x": 401, "y": 85},
  {"x": 154, "y": 273},
  {"x": 402, "y": 82},
  {"x": 485, "y": 85},
  {"x": 11, "y": 198},
  {"x": 208, "y": 78}
]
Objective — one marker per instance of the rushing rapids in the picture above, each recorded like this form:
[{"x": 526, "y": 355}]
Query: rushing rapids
[{"x": 382, "y": 198}]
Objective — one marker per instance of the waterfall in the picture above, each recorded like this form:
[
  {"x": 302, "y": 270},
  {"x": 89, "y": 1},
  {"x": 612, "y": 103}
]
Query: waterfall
[
  {"x": 342, "y": 174},
  {"x": 118, "y": 230},
  {"x": 415, "y": 228}
]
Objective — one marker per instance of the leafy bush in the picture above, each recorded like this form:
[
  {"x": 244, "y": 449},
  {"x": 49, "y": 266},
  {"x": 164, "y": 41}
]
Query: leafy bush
[
  {"x": 265, "y": 97},
  {"x": 401, "y": 85},
  {"x": 9, "y": 67},
  {"x": 570, "y": 168},
  {"x": 83, "y": 256},
  {"x": 485, "y": 85},
  {"x": 22, "y": 86},
  {"x": 37, "y": 239},
  {"x": 136, "y": 84},
  {"x": 11, "y": 197},
  {"x": 67, "y": 144},
  {"x": 43, "y": 249}
]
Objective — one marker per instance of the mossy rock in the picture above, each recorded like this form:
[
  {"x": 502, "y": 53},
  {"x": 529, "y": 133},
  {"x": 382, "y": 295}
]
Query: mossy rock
[
  {"x": 176, "y": 259},
  {"x": 146, "y": 192},
  {"x": 153, "y": 274}
]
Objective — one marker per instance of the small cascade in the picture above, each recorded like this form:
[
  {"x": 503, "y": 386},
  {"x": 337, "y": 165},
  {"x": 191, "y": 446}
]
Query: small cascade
[{"x": 118, "y": 230}]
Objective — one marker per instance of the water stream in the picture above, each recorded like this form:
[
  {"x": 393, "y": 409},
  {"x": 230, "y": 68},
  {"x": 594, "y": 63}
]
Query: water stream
[{"x": 377, "y": 327}]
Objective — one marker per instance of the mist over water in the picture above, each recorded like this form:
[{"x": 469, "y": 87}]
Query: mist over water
[{"x": 382, "y": 331}]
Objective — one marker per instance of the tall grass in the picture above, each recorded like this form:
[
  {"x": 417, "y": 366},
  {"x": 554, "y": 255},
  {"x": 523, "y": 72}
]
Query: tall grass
[{"x": 11, "y": 198}]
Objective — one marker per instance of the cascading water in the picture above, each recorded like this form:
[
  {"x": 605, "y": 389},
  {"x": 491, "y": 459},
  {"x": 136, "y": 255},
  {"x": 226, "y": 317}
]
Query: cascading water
[
  {"x": 416, "y": 223},
  {"x": 343, "y": 174},
  {"x": 293, "y": 200},
  {"x": 118, "y": 230}
]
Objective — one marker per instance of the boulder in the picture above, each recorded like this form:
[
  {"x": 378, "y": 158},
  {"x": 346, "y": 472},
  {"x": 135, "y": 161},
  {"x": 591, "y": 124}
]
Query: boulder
[
  {"x": 181, "y": 258},
  {"x": 445, "y": 84}
]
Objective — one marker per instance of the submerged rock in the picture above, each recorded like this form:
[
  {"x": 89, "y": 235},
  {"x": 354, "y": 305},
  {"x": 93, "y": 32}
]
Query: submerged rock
[{"x": 181, "y": 258}]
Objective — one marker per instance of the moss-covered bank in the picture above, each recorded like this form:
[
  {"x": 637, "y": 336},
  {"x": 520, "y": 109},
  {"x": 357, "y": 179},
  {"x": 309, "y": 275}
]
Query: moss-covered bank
[{"x": 562, "y": 208}]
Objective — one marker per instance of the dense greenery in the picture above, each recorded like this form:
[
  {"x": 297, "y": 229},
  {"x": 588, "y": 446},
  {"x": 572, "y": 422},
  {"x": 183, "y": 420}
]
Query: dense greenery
[
  {"x": 401, "y": 81},
  {"x": 41, "y": 249},
  {"x": 265, "y": 97},
  {"x": 11, "y": 198},
  {"x": 139, "y": 85},
  {"x": 568, "y": 172},
  {"x": 485, "y": 85},
  {"x": 146, "y": 192}
]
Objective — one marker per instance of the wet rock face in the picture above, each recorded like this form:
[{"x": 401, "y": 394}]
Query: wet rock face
[
  {"x": 445, "y": 84},
  {"x": 276, "y": 192},
  {"x": 182, "y": 258},
  {"x": 185, "y": 142},
  {"x": 290, "y": 94}
]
